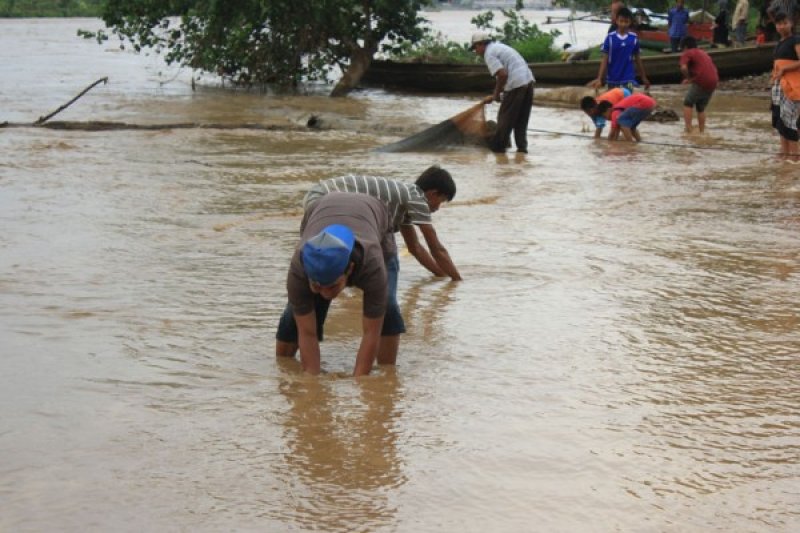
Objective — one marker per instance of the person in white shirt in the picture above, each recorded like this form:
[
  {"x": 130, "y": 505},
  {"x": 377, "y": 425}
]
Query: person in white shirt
[
  {"x": 739, "y": 22},
  {"x": 513, "y": 89}
]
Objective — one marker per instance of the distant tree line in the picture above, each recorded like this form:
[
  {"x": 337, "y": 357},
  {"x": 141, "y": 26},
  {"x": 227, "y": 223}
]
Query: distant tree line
[{"x": 51, "y": 8}]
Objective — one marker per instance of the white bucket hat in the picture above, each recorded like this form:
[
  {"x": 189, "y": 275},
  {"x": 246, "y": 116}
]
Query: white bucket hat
[{"x": 480, "y": 37}]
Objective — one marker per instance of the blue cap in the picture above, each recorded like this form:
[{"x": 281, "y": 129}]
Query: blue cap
[{"x": 326, "y": 255}]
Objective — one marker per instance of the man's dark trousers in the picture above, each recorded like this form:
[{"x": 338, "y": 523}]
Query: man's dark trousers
[{"x": 515, "y": 111}]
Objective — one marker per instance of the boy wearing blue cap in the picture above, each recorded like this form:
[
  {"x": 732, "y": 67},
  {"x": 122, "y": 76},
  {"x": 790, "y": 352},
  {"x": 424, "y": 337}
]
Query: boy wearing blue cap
[
  {"x": 410, "y": 207},
  {"x": 344, "y": 241}
]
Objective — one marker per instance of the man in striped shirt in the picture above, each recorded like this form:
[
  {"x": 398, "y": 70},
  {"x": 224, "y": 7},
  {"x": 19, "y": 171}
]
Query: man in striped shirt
[{"x": 409, "y": 205}]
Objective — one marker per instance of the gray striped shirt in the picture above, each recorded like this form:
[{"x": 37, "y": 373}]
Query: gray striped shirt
[{"x": 405, "y": 201}]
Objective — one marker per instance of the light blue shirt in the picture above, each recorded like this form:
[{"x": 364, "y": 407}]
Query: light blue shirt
[
  {"x": 678, "y": 20},
  {"x": 499, "y": 55}
]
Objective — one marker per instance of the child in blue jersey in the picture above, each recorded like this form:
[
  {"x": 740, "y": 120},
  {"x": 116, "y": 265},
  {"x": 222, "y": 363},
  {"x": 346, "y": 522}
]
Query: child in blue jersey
[{"x": 620, "y": 55}]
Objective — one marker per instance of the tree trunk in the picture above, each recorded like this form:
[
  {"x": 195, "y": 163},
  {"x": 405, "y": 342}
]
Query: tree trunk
[{"x": 359, "y": 63}]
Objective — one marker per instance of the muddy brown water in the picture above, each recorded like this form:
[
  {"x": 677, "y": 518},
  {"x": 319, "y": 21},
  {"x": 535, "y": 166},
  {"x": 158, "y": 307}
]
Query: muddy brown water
[{"x": 622, "y": 354}]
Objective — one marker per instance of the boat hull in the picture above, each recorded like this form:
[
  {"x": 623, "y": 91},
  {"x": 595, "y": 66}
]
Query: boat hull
[
  {"x": 700, "y": 31},
  {"x": 658, "y": 39},
  {"x": 450, "y": 78}
]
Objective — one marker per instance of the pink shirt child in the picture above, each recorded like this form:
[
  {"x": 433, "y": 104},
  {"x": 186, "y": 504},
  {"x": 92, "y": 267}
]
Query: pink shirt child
[{"x": 637, "y": 100}]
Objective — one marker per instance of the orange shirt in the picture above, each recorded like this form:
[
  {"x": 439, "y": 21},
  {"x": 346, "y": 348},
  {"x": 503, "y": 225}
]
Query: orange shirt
[{"x": 613, "y": 96}]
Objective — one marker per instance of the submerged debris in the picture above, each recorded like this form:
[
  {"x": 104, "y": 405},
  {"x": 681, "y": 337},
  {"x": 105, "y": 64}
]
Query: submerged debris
[
  {"x": 662, "y": 114},
  {"x": 748, "y": 84}
]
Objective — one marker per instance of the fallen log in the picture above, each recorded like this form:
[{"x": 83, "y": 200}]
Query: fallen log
[{"x": 100, "y": 125}]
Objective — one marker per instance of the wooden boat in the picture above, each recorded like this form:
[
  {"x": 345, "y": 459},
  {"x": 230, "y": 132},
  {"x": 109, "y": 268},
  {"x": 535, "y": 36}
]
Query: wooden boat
[
  {"x": 658, "y": 39},
  {"x": 651, "y": 27},
  {"x": 452, "y": 78}
]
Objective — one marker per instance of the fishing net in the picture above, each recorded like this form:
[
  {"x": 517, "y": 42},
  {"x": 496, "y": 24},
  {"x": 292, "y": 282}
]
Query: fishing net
[{"x": 466, "y": 128}]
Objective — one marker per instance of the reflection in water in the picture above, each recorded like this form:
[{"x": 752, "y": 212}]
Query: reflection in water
[
  {"x": 716, "y": 349},
  {"x": 342, "y": 460},
  {"x": 423, "y": 303}
]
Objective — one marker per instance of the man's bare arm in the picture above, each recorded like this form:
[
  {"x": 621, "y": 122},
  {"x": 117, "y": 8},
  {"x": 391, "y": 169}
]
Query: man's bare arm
[
  {"x": 439, "y": 252},
  {"x": 368, "y": 349},
  {"x": 501, "y": 76},
  {"x": 598, "y": 81},
  {"x": 307, "y": 341},
  {"x": 642, "y": 73},
  {"x": 421, "y": 254}
]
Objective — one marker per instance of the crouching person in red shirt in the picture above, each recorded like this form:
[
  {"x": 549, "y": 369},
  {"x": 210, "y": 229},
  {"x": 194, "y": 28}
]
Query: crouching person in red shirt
[{"x": 626, "y": 115}]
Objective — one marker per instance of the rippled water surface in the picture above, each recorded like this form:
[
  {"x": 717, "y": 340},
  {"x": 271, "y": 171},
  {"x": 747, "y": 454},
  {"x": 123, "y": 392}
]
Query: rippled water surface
[{"x": 622, "y": 354}]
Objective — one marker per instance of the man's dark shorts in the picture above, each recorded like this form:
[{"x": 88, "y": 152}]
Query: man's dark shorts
[{"x": 697, "y": 98}]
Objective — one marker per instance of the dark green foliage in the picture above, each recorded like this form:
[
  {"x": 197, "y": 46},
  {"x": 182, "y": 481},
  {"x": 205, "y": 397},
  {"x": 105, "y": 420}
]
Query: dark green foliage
[
  {"x": 532, "y": 43},
  {"x": 51, "y": 8},
  {"x": 433, "y": 48},
  {"x": 536, "y": 50}
]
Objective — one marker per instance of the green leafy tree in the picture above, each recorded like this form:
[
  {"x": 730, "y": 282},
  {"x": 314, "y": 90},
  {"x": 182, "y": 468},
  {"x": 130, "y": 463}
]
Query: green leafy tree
[
  {"x": 265, "y": 42},
  {"x": 532, "y": 43}
]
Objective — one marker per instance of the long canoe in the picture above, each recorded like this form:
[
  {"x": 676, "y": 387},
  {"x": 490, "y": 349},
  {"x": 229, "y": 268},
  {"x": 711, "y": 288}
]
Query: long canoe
[{"x": 451, "y": 78}]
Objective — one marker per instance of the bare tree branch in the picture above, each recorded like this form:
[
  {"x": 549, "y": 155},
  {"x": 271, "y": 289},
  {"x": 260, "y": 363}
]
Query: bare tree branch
[{"x": 44, "y": 119}]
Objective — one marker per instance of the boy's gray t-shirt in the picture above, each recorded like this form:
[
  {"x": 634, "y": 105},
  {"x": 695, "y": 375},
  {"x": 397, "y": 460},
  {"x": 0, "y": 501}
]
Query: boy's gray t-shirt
[{"x": 368, "y": 218}]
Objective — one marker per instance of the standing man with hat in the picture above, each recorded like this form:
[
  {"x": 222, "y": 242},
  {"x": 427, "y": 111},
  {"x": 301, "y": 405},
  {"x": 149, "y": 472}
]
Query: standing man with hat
[
  {"x": 513, "y": 89},
  {"x": 345, "y": 239}
]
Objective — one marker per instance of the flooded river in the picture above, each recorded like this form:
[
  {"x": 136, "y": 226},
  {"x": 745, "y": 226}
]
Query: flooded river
[{"x": 637, "y": 370}]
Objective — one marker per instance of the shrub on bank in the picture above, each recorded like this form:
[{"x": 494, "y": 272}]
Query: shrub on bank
[
  {"x": 536, "y": 50},
  {"x": 532, "y": 43},
  {"x": 535, "y": 45},
  {"x": 433, "y": 48}
]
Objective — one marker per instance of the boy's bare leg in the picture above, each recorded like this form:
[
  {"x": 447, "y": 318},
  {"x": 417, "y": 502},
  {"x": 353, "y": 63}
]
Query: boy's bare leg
[
  {"x": 635, "y": 132},
  {"x": 701, "y": 121},
  {"x": 784, "y": 146},
  {"x": 626, "y": 132},
  {"x": 387, "y": 349},
  {"x": 687, "y": 119}
]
